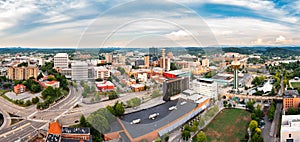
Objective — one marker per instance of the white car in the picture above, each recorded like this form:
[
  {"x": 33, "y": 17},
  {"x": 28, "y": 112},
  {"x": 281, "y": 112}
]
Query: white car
[
  {"x": 152, "y": 116},
  {"x": 136, "y": 121},
  {"x": 172, "y": 108},
  {"x": 182, "y": 103}
]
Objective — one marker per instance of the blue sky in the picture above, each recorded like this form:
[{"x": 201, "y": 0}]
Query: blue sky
[{"x": 144, "y": 23}]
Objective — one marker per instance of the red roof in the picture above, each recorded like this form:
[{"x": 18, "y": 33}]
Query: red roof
[
  {"x": 54, "y": 128},
  {"x": 20, "y": 86},
  {"x": 51, "y": 82}
]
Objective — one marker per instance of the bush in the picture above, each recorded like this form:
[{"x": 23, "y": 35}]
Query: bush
[{"x": 112, "y": 96}]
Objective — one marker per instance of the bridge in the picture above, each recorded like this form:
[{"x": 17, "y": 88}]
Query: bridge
[{"x": 241, "y": 96}]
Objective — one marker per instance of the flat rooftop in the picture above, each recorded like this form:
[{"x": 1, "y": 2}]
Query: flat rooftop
[
  {"x": 165, "y": 117},
  {"x": 53, "y": 138},
  {"x": 75, "y": 130}
]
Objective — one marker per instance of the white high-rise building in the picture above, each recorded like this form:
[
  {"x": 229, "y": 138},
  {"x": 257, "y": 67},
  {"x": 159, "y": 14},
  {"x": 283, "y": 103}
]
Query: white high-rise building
[
  {"x": 61, "y": 60},
  {"x": 79, "y": 71}
]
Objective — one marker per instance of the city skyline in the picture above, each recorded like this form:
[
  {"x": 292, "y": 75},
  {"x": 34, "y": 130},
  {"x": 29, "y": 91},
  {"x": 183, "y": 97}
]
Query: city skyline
[{"x": 146, "y": 24}]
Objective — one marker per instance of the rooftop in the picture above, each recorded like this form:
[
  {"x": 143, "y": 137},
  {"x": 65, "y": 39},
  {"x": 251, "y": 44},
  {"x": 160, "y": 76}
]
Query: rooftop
[
  {"x": 53, "y": 138},
  {"x": 176, "y": 72},
  {"x": 61, "y": 55},
  {"x": 165, "y": 117},
  {"x": 291, "y": 93},
  {"x": 75, "y": 130},
  {"x": 54, "y": 128}
]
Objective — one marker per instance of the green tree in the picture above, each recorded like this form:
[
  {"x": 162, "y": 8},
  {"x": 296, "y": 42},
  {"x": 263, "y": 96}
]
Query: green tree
[
  {"x": 257, "y": 138},
  {"x": 253, "y": 125},
  {"x": 200, "y": 137},
  {"x": 119, "y": 109},
  {"x": 35, "y": 100},
  {"x": 40, "y": 76},
  {"x": 28, "y": 103},
  {"x": 82, "y": 121},
  {"x": 49, "y": 91},
  {"x": 173, "y": 66},
  {"x": 166, "y": 137},
  {"x": 186, "y": 135}
]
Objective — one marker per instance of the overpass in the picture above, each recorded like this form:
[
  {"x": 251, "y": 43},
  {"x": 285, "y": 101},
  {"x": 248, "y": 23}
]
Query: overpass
[{"x": 241, "y": 96}]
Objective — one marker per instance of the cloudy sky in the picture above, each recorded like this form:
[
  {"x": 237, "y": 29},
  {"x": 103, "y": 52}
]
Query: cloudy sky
[{"x": 144, "y": 23}]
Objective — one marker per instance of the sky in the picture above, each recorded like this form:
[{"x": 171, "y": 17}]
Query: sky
[{"x": 144, "y": 23}]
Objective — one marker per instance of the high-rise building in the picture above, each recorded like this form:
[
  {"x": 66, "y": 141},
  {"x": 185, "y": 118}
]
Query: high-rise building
[
  {"x": 174, "y": 87},
  {"x": 101, "y": 72},
  {"x": 79, "y": 71},
  {"x": 22, "y": 73},
  {"x": 61, "y": 60},
  {"x": 139, "y": 62},
  {"x": 165, "y": 63},
  {"x": 205, "y": 61},
  {"x": 163, "y": 56},
  {"x": 153, "y": 51},
  {"x": 146, "y": 60},
  {"x": 108, "y": 57}
]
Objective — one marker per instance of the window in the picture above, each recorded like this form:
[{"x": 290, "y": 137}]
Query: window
[{"x": 290, "y": 135}]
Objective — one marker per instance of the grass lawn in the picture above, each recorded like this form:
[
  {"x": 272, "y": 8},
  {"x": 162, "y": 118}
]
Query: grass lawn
[
  {"x": 295, "y": 84},
  {"x": 229, "y": 126}
]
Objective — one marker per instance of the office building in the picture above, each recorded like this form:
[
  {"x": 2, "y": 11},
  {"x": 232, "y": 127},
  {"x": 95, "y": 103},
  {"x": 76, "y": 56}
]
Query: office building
[
  {"x": 291, "y": 99},
  {"x": 163, "y": 57},
  {"x": 205, "y": 86},
  {"x": 61, "y": 60},
  {"x": 153, "y": 51},
  {"x": 109, "y": 57},
  {"x": 101, "y": 72},
  {"x": 175, "y": 86},
  {"x": 79, "y": 71},
  {"x": 146, "y": 60},
  {"x": 139, "y": 62},
  {"x": 205, "y": 61},
  {"x": 166, "y": 62}
]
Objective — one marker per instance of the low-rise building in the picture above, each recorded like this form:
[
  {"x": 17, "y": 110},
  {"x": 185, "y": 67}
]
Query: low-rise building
[
  {"x": 291, "y": 99},
  {"x": 20, "y": 88},
  {"x": 137, "y": 87},
  {"x": 54, "y": 84},
  {"x": 290, "y": 128},
  {"x": 58, "y": 133},
  {"x": 105, "y": 86}
]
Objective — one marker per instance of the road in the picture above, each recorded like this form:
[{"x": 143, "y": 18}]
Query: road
[
  {"x": 26, "y": 129},
  {"x": 71, "y": 116},
  {"x": 63, "y": 111},
  {"x": 254, "y": 97}
]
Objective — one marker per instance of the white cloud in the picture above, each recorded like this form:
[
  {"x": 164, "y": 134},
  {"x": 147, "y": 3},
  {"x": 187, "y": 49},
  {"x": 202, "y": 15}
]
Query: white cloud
[{"x": 280, "y": 39}]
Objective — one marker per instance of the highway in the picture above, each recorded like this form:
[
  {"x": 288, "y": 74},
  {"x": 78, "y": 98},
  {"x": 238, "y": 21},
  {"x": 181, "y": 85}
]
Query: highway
[
  {"x": 36, "y": 120},
  {"x": 63, "y": 111}
]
